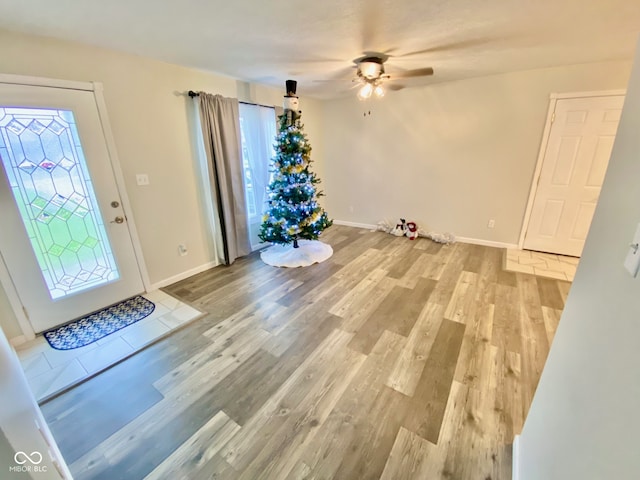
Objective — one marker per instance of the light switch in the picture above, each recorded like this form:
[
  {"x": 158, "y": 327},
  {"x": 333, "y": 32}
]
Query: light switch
[
  {"x": 142, "y": 179},
  {"x": 632, "y": 262}
]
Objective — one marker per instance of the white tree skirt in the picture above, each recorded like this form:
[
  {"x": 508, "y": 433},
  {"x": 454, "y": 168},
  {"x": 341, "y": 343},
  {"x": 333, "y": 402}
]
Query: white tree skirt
[{"x": 307, "y": 253}]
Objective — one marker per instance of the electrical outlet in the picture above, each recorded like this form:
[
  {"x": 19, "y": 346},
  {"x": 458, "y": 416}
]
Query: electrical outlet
[
  {"x": 491, "y": 223},
  {"x": 142, "y": 179},
  {"x": 182, "y": 249}
]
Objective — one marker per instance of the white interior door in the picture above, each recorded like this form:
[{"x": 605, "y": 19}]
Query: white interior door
[
  {"x": 64, "y": 236},
  {"x": 574, "y": 165}
]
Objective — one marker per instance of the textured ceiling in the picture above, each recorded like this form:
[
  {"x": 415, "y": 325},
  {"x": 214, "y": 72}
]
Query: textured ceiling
[{"x": 269, "y": 41}]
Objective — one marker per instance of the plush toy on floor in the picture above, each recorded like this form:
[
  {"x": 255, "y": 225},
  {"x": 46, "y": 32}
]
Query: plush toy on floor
[
  {"x": 404, "y": 229},
  {"x": 400, "y": 229},
  {"x": 411, "y": 231}
]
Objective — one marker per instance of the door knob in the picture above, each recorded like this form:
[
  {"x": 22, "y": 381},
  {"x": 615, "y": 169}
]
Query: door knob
[{"x": 118, "y": 220}]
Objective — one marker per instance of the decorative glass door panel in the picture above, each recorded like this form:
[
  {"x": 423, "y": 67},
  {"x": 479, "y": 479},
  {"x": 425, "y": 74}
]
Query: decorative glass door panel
[
  {"x": 57, "y": 185},
  {"x": 42, "y": 157}
]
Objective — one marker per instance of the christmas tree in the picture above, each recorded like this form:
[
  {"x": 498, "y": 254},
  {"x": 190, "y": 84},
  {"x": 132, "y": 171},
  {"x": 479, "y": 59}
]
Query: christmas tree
[{"x": 293, "y": 211}]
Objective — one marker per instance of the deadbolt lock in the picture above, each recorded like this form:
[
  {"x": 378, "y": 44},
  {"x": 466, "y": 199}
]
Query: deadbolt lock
[{"x": 115, "y": 204}]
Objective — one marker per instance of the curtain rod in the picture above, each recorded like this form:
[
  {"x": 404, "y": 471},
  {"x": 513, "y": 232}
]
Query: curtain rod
[{"x": 193, "y": 94}]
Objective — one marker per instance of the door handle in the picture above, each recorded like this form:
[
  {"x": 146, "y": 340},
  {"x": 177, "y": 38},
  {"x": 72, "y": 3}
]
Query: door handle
[{"x": 117, "y": 220}]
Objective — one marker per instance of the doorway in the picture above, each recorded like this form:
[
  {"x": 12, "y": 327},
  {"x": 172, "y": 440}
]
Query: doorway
[
  {"x": 573, "y": 160},
  {"x": 68, "y": 243}
]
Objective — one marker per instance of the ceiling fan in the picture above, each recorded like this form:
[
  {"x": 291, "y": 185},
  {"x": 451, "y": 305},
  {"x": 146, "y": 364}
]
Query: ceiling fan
[{"x": 371, "y": 75}]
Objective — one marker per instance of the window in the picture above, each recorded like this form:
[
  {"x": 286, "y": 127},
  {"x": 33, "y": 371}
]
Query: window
[{"x": 258, "y": 131}]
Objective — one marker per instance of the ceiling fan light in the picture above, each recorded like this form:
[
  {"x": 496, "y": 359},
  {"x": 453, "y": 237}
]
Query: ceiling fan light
[
  {"x": 370, "y": 69},
  {"x": 365, "y": 91},
  {"x": 379, "y": 91}
]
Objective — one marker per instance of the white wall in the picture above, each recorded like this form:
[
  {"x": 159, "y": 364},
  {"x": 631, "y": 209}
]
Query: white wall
[
  {"x": 452, "y": 155},
  {"x": 584, "y": 420},
  {"x": 20, "y": 417},
  {"x": 152, "y": 124}
]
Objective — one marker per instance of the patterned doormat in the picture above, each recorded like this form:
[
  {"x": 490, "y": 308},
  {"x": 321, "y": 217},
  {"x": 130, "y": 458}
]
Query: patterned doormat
[{"x": 97, "y": 325}]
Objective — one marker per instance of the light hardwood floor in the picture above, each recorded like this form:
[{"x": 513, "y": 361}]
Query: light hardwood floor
[{"x": 395, "y": 359}]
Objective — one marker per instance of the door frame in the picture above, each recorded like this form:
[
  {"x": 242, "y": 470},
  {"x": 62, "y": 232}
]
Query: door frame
[
  {"x": 97, "y": 89},
  {"x": 553, "y": 100}
]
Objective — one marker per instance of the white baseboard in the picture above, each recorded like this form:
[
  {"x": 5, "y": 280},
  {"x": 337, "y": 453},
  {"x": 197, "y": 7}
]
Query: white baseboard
[
  {"x": 355, "y": 224},
  {"x": 183, "y": 275},
  {"x": 19, "y": 340},
  {"x": 486, "y": 243},
  {"x": 515, "y": 465}
]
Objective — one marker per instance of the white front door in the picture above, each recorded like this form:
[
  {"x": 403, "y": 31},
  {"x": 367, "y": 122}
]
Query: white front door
[
  {"x": 64, "y": 236},
  {"x": 574, "y": 165}
]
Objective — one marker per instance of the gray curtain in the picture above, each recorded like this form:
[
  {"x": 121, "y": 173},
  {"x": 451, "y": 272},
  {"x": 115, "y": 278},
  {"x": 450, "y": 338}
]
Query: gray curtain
[{"x": 220, "y": 121}]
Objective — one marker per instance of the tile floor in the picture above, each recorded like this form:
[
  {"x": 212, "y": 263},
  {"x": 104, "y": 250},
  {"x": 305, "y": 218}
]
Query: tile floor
[
  {"x": 49, "y": 371},
  {"x": 541, "y": 264}
]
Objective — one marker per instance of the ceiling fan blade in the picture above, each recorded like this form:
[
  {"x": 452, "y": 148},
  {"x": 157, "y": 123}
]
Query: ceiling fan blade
[
  {"x": 395, "y": 87},
  {"x": 418, "y": 72},
  {"x": 345, "y": 74},
  {"x": 451, "y": 46},
  {"x": 372, "y": 22},
  {"x": 315, "y": 60}
]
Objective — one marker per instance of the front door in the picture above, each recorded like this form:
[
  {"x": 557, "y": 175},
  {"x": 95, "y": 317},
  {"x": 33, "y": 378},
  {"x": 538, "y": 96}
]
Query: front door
[
  {"x": 63, "y": 233},
  {"x": 574, "y": 165}
]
